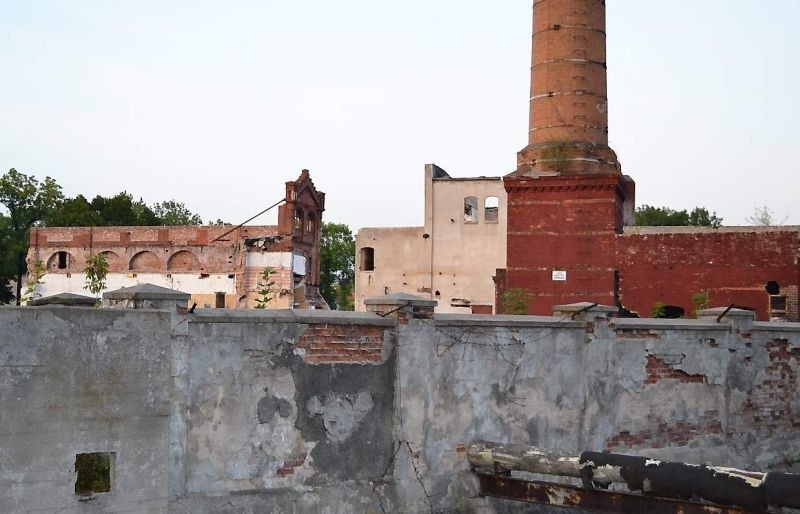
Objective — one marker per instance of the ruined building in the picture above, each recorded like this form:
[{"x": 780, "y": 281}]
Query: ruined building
[
  {"x": 570, "y": 208},
  {"x": 452, "y": 258},
  {"x": 567, "y": 216},
  {"x": 220, "y": 266}
]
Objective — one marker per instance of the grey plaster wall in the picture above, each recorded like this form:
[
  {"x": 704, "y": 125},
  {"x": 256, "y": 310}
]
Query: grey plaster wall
[
  {"x": 279, "y": 434},
  {"x": 574, "y": 386},
  {"x": 83, "y": 380},
  {"x": 218, "y": 411}
]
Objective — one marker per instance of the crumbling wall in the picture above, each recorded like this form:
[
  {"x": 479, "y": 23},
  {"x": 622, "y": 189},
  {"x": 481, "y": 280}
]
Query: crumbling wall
[
  {"x": 697, "y": 391},
  {"x": 671, "y": 265},
  {"x": 287, "y": 402},
  {"x": 82, "y": 380},
  {"x": 298, "y": 411}
]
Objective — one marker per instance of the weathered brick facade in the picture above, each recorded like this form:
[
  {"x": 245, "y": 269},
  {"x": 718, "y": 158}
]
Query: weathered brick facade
[
  {"x": 220, "y": 266},
  {"x": 570, "y": 208}
]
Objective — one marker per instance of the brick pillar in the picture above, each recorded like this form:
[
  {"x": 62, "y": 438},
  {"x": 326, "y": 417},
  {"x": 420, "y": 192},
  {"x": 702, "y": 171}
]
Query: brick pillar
[
  {"x": 568, "y": 117},
  {"x": 402, "y": 307}
]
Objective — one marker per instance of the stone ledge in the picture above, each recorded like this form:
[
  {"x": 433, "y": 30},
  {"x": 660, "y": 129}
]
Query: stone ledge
[
  {"x": 667, "y": 324},
  {"x": 309, "y": 317},
  {"x": 504, "y": 320}
]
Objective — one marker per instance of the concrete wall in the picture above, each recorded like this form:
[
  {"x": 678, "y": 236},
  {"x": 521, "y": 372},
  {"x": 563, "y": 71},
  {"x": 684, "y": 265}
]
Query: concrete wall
[
  {"x": 77, "y": 380},
  {"x": 287, "y": 411}
]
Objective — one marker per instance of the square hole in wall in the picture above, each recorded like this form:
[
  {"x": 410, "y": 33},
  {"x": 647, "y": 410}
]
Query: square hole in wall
[{"x": 94, "y": 472}]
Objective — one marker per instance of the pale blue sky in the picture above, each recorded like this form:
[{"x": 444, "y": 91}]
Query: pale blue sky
[{"x": 217, "y": 104}]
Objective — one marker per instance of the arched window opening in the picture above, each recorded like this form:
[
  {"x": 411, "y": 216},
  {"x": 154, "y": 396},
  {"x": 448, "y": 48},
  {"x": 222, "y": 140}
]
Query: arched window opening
[
  {"x": 367, "y": 259},
  {"x": 144, "y": 261},
  {"x": 310, "y": 223},
  {"x": 491, "y": 209},
  {"x": 60, "y": 261},
  {"x": 470, "y": 209},
  {"x": 298, "y": 220}
]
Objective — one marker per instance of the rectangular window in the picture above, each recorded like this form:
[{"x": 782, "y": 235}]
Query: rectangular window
[
  {"x": 470, "y": 209},
  {"x": 491, "y": 208},
  {"x": 94, "y": 473},
  {"x": 367, "y": 259},
  {"x": 219, "y": 300},
  {"x": 777, "y": 303}
]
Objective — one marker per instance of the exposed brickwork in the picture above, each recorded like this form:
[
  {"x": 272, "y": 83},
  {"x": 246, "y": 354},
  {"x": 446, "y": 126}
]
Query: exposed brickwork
[
  {"x": 772, "y": 399},
  {"x": 664, "y": 434},
  {"x": 568, "y": 101},
  {"x": 328, "y": 343},
  {"x": 731, "y": 266},
  {"x": 289, "y": 465},
  {"x": 658, "y": 370}
]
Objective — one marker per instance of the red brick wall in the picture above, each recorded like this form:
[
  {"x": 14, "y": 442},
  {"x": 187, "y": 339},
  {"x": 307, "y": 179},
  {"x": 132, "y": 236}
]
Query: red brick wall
[
  {"x": 327, "y": 343},
  {"x": 567, "y": 224},
  {"x": 731, "y": 266}
]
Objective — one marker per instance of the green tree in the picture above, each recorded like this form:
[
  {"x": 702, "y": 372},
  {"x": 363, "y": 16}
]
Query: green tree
[
  {"x": 96, "y": 271},
  {"x": 649, "y": 216},
  {"x": 265, "y": 288},
  {"x": 28, "y": 202},
  {"x": 173, "y": 213},
  {"x": 34, "y": 281},
  {"x": 121, "y": 210},
  {"x": 337, "y": 265}
]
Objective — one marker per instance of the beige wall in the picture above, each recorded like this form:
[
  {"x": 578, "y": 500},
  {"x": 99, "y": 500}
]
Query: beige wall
[{"x": 447, "y": 255}]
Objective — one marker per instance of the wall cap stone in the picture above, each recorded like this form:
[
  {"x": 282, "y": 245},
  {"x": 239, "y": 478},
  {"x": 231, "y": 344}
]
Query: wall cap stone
[
  {"x": 401, "y": 299},
  {"x": 504, "y": 320},
  {"x": 72, "y": 299},
  {"x": 310, "y": 317},
  {"x": 667, "y": 324},
  {"x": 780, "y": 326},
  {"x": 585, "y": 307},
  {"x": 146, "y": 292}
]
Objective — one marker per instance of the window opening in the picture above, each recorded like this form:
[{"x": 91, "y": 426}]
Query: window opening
[
  {"x": 491, "y": 209},
  {"x": 310, "y": 223},
  {"x": 777, "y": 303},
  {"x": 63, "y": 260},
  {"x": 219, "y": 300},
  {"x": 470, "y": 209},
  {"x": 298, "y": 219},
  {"x": 94, "y": 471},
  {"x": 367, "y": 259}
]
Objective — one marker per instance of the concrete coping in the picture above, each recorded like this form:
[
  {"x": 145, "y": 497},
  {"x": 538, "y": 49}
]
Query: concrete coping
[
  {"x": 504, "y": 320},
  {"x": 585, "y": 307},
  {"x": 667, "y": 324},
  {"x": 146, "y": 292},
  {"x": 310, "y": 317},
  {"x": 734, "y": 313},
  {"x": 781, "y": 326},
  {"x": 72, "y": 299},
  {"x": 401, "y": 299}
]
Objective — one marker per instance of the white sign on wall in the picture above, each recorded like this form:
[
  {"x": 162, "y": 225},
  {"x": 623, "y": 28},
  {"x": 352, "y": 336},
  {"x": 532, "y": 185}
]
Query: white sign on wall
[{"x": 559, "y": 276}]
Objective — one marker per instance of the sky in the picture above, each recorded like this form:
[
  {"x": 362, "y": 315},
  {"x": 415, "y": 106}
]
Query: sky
[{"x": 218, "y": 103}]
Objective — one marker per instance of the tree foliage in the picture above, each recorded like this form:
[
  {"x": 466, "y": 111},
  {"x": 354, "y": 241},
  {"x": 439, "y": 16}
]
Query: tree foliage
[
  {"x": 96, "y": 271},
  {"x": 27, "y": 202},
  {"x": 266, "y": 288},
  {"x": 175, "y": 213},
  {"x": 649, "y": 216},
  {"x": 764, "y": 217},
  {"x": 337, "y": 265}
]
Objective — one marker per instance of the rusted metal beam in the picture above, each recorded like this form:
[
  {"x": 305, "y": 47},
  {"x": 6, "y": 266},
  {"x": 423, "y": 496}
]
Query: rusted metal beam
[
  {"x": 545, "y": 493},
  {"x": 669, "y": 480}
]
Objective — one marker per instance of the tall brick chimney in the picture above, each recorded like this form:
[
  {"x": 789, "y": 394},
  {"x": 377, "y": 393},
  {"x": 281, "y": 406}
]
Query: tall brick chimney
[
  {"x": 568, "y": 123},
  {"x": 567, "y": 199}
]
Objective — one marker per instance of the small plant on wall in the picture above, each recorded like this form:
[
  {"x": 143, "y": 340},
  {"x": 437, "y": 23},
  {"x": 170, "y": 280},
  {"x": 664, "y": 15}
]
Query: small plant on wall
[
  {"x": 265, "y": 288},
  {"x": 96, "y": 271},
  {"x": 659, "y": 310},
  {"x": 34, "y": 281},
  {"x": 516, "y": 301},
  {"x": 557, "y": 155},
  {"x": 699, "y": 302}
]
